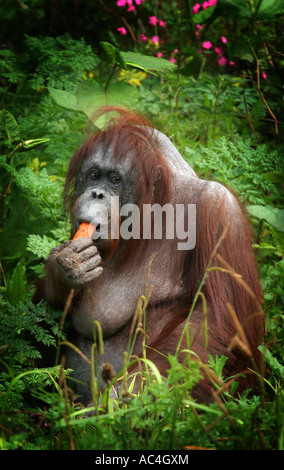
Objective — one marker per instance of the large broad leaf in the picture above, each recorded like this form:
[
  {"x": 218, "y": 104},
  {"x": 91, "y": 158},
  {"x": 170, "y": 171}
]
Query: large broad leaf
[
  {"x": 146, "y": 63},
  {"x": 272, "y": 215},
  {"x": 134, "y": 59},
  {"x": 91, "y": 95},
  {"x": 268, "y": 9},
  {"x": 239, "y": 9},
  {"x": 65, "y": 99}
]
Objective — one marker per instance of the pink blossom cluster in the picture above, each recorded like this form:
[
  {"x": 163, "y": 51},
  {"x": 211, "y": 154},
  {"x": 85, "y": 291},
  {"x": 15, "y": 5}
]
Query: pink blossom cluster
[
  {"x": 222, "y": 60},
  {"x": 122, "y": 30},
  {"x": 208, "y": 44},
  {"x": 131, "y": 7},
  {"x": 153, "y": 21},
  {"x": 171, "y": 59},
  {"x": 203, "y": 6}
]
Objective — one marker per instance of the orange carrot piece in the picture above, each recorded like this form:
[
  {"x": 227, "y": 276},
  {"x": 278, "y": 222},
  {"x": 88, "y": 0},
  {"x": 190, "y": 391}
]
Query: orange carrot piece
[{"x": 85, "y": 230}]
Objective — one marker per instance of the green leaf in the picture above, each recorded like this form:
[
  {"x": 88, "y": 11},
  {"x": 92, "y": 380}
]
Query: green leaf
[
  {"x": 108, "y": 52},
  {"x": 40, "y": 246},
  {"x": 9, "y": 127},
  {"x": 203, "y": 15},
  {"x": 134, "y": 59},
  {"x": 122, "y": 94},
  {"x": 270, "y": 9},
  {"x": 146, "y": 63},
  {"x": 272, "y": 361},
  {"x": 112, "y": 55},
  {"x": 91, "y": 95},
  {"x": 272, "y": 215},
  {"x": 66, "y": 99},
  {"x": 274, "y": 177},
  {"x": 16, "y": 286},
  {"x": 29, "y": 144}
]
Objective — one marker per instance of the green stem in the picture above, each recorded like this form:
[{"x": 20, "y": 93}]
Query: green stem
[
  {"x": 257, "y": 8},
  {"x": 190, "y": 19},
  {"x": 110, "y": 77}
]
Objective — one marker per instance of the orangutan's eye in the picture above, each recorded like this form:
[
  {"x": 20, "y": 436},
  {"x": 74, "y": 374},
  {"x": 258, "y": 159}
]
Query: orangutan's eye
[
  {"x": 94, "y": 174},
  {"x": 114, "y": 178}
]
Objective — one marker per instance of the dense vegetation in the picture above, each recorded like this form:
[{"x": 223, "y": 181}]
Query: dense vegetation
[{"x": 210, "y": 77}]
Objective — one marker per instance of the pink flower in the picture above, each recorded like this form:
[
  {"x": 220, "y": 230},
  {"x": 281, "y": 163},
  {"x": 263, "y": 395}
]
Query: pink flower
[
  {"x": 143, "y": 38},
  {"x": 208, "y": 4},
  {"x": 207, "y": 45},
  {"x": 195, "y": 8},
  {"x": 122, "y": 30},
  {"x": 153, "y": 20},
  {"x": 198, "y": 26},
  {"x": 218, "y": 50},
  {"x": 138, "y": 2},
  {"x": 131, "y": 8},
  {"x": 160, "y": 54},
  {"x": 223, "y": 39},
  {"x": 121, "y": 3},
  {"x": 231, "y": 62},
  {"x": 172, "y": 60},
  {"x": 162, "y": 23},
  {"x": 264, "y": 75},
  {"x": 176, "y": 51},
  {"x": 155, "y": 39},
  {"x": 222, "y": 60}
]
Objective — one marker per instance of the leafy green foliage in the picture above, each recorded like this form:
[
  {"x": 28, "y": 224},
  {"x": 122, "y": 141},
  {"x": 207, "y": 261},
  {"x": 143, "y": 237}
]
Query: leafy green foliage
[
  {"x": 27, "y": 318},
  {"x": 40, "y": 246},
  {"x": 272, "y": 215},
  {"x": 240, "y": 165},
  {"x": 90, "y": 95},
  {"x": 221, "y": 122},
  {"x": 59, "y": 62},
  {"x": 266, "y": 9}
]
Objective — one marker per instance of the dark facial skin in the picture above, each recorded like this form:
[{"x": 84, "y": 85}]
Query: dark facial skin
[{"x": 102, "y": 186}]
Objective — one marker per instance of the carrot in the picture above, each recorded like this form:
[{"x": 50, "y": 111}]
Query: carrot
[{"x": 85, "y": 230}]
